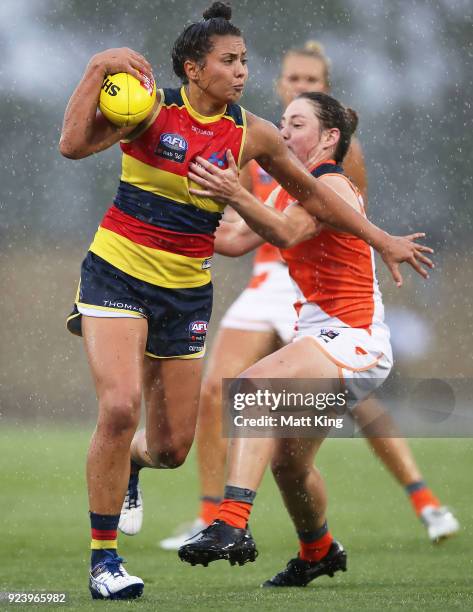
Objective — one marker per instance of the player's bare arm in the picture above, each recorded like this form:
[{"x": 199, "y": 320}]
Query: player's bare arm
[
  {"x": 236, "y": 239},
  {"x": 267, "y": 146},
  {"x": 85, "y": 130},
  {"x": 342, "y": 188},
  {"x": 273, "y": 226}
]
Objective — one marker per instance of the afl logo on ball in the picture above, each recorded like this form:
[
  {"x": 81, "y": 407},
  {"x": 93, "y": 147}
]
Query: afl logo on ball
[{"x": 172, "y": 147}]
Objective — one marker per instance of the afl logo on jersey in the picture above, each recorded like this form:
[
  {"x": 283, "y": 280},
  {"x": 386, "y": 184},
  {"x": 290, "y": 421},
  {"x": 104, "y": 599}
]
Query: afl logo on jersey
[{"x": 172, "y": 147}]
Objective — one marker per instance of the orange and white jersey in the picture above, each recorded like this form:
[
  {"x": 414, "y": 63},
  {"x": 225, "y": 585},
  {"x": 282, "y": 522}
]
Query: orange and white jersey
[
  {"x": 263, "y": 186},
  {"x": 335, "y": 271}
]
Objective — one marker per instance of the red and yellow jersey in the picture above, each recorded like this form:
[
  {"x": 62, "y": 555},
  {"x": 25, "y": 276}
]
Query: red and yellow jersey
[
  {"x": 335, "y": 271},
  {"x": 156, "y": 230},
  {"x": 263, "y": 185}
]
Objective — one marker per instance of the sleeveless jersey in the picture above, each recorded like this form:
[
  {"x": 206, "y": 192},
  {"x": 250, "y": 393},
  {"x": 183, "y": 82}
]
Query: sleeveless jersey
[
  {"x": 335, "y": 271},
  {"x": 263, "y": 185},
  {"x": 156, "y": 230}
]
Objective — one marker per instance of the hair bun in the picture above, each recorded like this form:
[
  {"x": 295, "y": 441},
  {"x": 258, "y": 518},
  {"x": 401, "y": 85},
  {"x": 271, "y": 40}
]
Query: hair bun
[
  {"x": 352, "y": 119},
  {"x": 314, "y": 46},
  {"x": 218, "y": 10}
]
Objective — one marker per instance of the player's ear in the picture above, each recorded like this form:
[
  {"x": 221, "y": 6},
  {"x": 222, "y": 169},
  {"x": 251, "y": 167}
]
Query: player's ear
[
  {"x": 192, "y": 70},
  {"x": 331, "y": 137}
]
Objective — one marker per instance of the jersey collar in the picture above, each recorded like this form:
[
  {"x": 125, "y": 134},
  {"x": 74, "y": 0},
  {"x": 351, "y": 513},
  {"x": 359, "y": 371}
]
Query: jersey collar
[
  {"x": 332, "y": 162},
  {"x": 193, "y": 113}
]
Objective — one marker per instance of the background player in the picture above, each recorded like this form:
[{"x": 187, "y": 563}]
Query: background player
[{"x": 260, "y": 321}]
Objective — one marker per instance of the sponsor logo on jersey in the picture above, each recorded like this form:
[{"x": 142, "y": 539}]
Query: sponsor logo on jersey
[
  {"x": 200, "y": 131},
  {"x": 172, "y": 147},
  {"x": 218, "y": 158},
  {"x": 207, "y": 263}
]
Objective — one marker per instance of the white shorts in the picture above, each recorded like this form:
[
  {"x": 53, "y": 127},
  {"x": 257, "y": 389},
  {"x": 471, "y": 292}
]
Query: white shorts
[
  {"x": 267, "y": 304},
  {"x": 364, "y": 359}
]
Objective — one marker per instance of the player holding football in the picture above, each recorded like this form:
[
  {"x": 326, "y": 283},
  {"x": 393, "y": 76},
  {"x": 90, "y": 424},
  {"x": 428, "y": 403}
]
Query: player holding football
[
  {"x": 260, "y": 321},
  {"x": 145, "y": 282}
]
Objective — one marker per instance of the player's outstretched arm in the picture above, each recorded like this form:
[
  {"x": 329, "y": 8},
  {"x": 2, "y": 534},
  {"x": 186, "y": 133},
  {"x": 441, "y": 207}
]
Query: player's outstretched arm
[
  {"x": 266, "y": 145},
  {"x": 282, "y": 230},
  {"x": 84, "y": 130}
]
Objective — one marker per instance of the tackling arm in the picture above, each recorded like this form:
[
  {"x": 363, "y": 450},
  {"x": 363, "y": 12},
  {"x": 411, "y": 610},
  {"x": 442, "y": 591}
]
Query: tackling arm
[{"x": 267, "y": 146}]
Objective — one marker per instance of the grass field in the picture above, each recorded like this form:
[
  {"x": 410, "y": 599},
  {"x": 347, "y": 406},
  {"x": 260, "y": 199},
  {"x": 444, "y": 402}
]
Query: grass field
[{"x": 392, "y": 565}]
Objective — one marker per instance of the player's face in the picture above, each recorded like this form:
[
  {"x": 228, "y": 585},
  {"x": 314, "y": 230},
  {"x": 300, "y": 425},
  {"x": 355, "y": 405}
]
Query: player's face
[
  {"x": 300, "y": 74},
  {"x": 303, "y": 133},
  {"x": 224, "y": 74}
]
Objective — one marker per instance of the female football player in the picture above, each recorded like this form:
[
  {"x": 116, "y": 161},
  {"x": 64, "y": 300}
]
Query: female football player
[
  {"x": 341, "y": 337},
  {"x": 262, "y": 320},
  {"x": 144, "y": 298}
]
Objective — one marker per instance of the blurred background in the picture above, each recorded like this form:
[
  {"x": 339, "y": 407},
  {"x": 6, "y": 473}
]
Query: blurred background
[{"x": 405, "y": 66}]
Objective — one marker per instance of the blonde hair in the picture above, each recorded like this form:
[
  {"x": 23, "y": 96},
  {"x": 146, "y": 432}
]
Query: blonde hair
[{"x": 314, "y": 49}]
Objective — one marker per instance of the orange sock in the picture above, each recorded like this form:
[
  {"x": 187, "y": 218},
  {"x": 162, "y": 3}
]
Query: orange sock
[
  {"x": 208, "y": 509},
  {"x": 234, "y": 513},
  {"x": 422, "y": 498},
  {"x": 315, "y": 550}
]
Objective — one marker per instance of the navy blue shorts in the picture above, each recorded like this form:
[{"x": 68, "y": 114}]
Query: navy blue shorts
[{"x": 177, "y": 318}]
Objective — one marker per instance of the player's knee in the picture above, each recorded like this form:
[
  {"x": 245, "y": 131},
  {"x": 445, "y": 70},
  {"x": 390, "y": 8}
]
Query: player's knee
[
  {"x": 285, "y": 467},
  {"x": 211, "y": 392},
  {"x": 120, "y": 413},
  {"x": 169, "y": 457}
]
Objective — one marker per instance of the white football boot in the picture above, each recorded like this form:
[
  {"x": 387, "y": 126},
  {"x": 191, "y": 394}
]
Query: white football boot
[
  {"x": 186, "y": 533},
  {"x": 109, "y": 580},
  {"x": 440, "y": 522},
  {"x": 131, "y": 516}
]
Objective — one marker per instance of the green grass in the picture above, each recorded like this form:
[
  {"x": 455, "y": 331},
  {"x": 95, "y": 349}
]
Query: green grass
[{"x": 45, "y": 537}]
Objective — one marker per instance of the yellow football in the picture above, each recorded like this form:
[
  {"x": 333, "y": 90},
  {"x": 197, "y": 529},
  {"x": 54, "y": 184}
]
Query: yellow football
[{"x": 125, "y": 100}]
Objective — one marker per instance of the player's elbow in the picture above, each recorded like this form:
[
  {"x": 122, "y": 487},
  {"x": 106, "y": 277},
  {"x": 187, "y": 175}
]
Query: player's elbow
[
  {"x": 67, "y": 151},
  {"x": 231, "y": 249},
  {"x": 70, "y": 150},
  {"x": 282, "y": 240},
  {"x": 227, "y": 251}
]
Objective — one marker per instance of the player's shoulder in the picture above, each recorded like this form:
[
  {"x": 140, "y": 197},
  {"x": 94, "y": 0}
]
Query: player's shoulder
[
  {"x": 336, "y": 179},
  {"x": 343, "y": 186},
  {"x": 259, "y": 125},
  {"x": 262, "y": 137}
]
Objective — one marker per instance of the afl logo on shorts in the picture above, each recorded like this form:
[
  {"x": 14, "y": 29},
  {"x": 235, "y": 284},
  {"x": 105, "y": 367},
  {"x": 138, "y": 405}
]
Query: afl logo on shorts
[
  {"x": 198, "y": 331},
  {"x": 198, "y": 327},
  {"x": 172, "y": 147}
]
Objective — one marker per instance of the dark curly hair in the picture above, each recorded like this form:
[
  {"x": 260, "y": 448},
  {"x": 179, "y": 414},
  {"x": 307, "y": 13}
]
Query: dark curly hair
[
  {"x": 332, "y": 114},
  {"x": 195, "y": 42}
]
